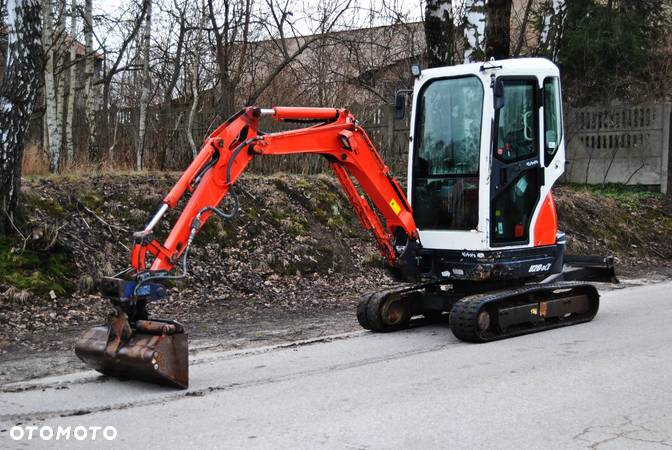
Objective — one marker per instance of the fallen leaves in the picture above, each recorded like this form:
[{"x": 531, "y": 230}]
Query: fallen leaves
[{"x": 280, "y": 256}]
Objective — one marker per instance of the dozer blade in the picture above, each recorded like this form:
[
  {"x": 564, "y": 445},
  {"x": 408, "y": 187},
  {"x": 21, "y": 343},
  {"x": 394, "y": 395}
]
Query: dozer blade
[
  {"x": 588, "y": 268},
  {"x": 153, "y": 351}
]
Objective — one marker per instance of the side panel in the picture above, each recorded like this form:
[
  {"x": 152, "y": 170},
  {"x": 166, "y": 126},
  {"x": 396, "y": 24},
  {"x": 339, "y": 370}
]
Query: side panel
[{"x": 546, "y": 227}]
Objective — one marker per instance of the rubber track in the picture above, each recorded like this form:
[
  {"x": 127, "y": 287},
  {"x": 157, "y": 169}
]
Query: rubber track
[
  {"x": 464, "y": 315},
  {"x": 361, "y": 311},
  {"x": 368, "y": 308}
]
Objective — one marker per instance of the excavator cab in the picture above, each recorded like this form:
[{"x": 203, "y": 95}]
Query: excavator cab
[{"x": 486, "y": 147}]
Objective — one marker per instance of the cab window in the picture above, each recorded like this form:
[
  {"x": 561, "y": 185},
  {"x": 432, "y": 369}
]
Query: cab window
[
  {"x": 552, "y": 118},
  {"x": 447, "y": 153},
  {"x": 516, "y": 127}
]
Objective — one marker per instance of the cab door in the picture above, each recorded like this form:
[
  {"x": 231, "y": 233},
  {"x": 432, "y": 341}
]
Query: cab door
[{"x": 515, "y": 176}]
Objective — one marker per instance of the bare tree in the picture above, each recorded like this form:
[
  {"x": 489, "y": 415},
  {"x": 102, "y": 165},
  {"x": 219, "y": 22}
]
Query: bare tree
[
  {"x": 17, "y": 98},
  {"x": 72, "y": 82},
  {"x": 146, "y": 86},
  {"x": 291, "y": 47},
  {"x": 174, "y": 62},
  {"x": 257, "y": 42},
  {"x": 195, "y": 81},
  {"x": 374, "y": 58},
  {"x": 51, "y": 36},
  {"x": 231, "y": 41},
  {"x": 117, "y": 55},
  {"x": 89, "y": 94},
  {"x": 522, "y": 27},
  {"x": 59, "y": 46}
]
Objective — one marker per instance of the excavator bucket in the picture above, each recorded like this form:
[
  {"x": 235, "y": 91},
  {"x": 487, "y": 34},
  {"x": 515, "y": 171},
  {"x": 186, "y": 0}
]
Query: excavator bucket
[
  {"x": 155, "y": 351},
  {"x": 149, "y": 350}
]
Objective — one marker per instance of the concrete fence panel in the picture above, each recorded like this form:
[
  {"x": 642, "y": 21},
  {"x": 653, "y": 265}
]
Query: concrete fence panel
[{"x": 619, "y": 144}]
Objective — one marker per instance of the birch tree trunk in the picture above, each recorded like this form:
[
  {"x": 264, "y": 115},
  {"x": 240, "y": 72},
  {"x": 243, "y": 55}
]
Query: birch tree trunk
[
  {"x": 89, "y": 95},
  {"x": 59, "y": 55},
  {"x": 144, "y": 96},
  {"x": 50, "y": 95},
  {"x": 440, "y": 33},
  {"x": 72, "y": 81},
  {"x": 474, "y": 30},
  {"x": 17, "y": 98}
]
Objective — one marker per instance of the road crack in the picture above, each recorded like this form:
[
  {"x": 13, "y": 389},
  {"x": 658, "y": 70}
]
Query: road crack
[{"x": 626, "y": 430}]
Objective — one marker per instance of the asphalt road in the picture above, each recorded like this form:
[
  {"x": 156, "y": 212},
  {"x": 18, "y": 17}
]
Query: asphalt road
[{"x": 605, "y": 384}]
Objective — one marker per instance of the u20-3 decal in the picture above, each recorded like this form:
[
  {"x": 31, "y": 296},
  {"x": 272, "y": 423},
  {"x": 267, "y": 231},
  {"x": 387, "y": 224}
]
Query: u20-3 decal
[{"x": 539, "y": 268}]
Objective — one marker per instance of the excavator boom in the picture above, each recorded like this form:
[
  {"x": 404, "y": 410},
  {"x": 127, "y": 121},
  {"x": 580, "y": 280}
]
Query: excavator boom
[{"x": 228, "y": 151}]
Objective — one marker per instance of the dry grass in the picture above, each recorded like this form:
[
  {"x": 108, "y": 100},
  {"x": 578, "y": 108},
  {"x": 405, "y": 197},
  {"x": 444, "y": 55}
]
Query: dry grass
[
  {"x": 35, "y": 165},
  {"x": 34, "y": 161}
]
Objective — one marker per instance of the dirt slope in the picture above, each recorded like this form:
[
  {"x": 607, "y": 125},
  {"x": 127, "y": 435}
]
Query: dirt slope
[
  {"x": 295, "y": 252},
  {"x": 634, "y": 226},
  {"x": 296, "y": 248}
]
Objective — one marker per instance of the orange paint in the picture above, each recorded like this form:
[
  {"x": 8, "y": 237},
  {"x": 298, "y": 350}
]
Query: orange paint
[
  {"x": 289, "y": 112},
  {"x": 546, "y": 227}
]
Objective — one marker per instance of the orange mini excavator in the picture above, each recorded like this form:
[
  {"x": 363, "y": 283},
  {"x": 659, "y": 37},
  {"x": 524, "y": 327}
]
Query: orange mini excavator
[{"x": 476, "y": 229}]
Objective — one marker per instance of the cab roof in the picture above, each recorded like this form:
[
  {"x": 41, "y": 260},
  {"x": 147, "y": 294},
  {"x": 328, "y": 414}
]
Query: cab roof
[{"x": 518, "y": 66}]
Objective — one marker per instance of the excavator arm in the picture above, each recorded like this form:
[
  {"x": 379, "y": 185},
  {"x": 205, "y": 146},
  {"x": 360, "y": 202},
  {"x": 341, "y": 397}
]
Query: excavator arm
[
  {"x": 228, "y": 151},
  {"x": 132, "y": 346}
]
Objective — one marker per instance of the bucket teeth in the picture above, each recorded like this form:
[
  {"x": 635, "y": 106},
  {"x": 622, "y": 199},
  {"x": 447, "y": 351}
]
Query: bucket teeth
[{"x": 155, "y": 351}]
